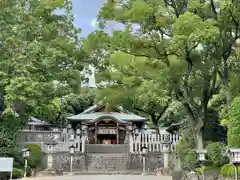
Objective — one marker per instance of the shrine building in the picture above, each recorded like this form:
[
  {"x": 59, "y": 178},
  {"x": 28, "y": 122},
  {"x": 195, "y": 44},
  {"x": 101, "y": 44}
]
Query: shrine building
[{"x": 104, "y": 125}]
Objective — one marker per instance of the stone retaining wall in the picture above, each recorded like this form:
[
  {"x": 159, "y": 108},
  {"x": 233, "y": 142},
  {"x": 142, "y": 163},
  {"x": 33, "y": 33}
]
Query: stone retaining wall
[{"x": 104, "y": 161}]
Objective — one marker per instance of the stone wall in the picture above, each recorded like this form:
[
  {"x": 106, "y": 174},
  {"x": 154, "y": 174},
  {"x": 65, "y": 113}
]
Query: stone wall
[
  {"x": 135, "y": 161},
  {"x": 32, "y": 137},
  {"x": 104, "y": 161},
  {"x": 62, "y": 160}
]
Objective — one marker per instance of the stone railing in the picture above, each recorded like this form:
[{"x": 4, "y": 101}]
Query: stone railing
[
  {"x": 63, "y": 146},
  {"x": 28, "y": 136},
  {"x": 153, "y": 142}
]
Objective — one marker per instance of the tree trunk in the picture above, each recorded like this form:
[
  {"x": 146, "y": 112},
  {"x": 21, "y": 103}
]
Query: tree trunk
[
  {"x": 157, "y": 130},
  {"x": 200, "y": 145},
  {"x": 199, "y": 133},
  {"x": 227, "y": 89},
  {"x": 225, "y": 81}
]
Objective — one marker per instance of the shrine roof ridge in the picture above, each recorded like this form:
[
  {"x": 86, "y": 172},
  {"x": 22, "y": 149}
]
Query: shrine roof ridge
[
  {"x": 95, "y": 107},
  {"x": 97, "y": 115},
  {"x": 35, "y": 121}
]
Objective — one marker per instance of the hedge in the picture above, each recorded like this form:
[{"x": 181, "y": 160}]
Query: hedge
[
  {"x": 17, "y": 173},
  {"x": 36, "y": 156}
]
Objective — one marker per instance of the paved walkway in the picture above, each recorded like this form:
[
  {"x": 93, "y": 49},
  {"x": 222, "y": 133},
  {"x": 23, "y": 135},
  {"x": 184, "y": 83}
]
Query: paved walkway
[{"x": 103, "y": 177}]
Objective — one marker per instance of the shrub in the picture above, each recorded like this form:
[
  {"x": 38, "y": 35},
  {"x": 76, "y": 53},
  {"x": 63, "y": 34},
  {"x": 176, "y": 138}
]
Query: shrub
[
  {"x": 36, "y": 156},
  {"x": 228, "y": 171},
  {"x": 186, "y": 150},
  {"x": 17, "y": 173},
  {"x": 191, "y": 159},
  {"x": 214, "y": 153}
]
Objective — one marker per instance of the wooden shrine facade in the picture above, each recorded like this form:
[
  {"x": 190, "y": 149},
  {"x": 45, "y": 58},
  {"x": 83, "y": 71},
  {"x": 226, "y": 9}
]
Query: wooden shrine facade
[
  {"x": 106, "y": 127},
  {"x": 106, "y": 130}
]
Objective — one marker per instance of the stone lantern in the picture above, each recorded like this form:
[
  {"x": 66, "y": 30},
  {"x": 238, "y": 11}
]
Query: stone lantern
[
  {"x": 26, "y": 154},
  {"x": 166, "y": 142},
  {"x": 144, "y": 153},
  {"x": 201, "y": 158},
  {"x": 72, "y": 152}
]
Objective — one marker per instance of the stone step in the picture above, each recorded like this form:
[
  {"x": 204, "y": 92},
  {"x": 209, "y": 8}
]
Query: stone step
[{"x": 107, "y": 162}]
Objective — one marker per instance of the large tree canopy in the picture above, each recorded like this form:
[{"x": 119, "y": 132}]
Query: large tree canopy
[
  {"x": 41, "y": 58},
  {"x": 182, "y": 49},
  {"x": 40, "y": 54}
]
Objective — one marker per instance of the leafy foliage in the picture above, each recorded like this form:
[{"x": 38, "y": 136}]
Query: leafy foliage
[
  {"x": 40, "y": 61},
  {"x": 17, "y": 173},
  {"x": 228, "y": 171},
  {"x": 40, "y": 54},
  {"x": 186, "y": 150},
  {"x": 233, "y": 124},
  {"x": 183, "y": 49},
  {"x": 131, "y": 90},
  {"x": 60, "y": 108},
  {"x": 36, "y": 156},
  {"x": 215, "y": 155}
]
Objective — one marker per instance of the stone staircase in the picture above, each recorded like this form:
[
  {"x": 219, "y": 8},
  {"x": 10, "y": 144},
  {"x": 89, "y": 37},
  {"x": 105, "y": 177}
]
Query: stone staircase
[
  {"x": 107, "y": 157},
  {"x": 107, "y": 162}
]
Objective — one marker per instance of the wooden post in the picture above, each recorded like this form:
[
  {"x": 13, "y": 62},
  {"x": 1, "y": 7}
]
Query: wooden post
[
  {"x": 95, "y": 136},
  {"x": 117, "y": 135}
]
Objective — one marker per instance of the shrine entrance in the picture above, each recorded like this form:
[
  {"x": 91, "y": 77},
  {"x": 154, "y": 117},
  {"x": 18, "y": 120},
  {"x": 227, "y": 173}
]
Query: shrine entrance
[
  {"x": 107, "y": 131},
  {"x": 107, "y": 139}
]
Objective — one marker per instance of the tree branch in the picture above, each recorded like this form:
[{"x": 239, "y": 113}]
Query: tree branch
[
  {"x": 142, "y": 110},
  {"x": 213, "y": 8},
  {"x": 162, "y": 112}
]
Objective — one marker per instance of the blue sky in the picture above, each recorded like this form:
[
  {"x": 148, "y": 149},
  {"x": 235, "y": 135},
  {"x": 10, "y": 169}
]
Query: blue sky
[{"x": 85, "y": 12}]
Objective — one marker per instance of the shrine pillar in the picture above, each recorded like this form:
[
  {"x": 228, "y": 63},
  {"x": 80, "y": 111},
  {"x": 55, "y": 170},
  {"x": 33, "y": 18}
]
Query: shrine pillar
[{"x": 129, "y": 137}]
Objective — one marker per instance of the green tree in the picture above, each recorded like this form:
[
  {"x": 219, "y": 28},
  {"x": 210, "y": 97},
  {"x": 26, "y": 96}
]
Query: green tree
[
  {"x": 60, "y": 108},
  {"x": 233, "y": 124},
  {"x": 194, "y": 39},
  {"x": 35, "y": 159},
  {"x": 135, "y": 91},
  {"x": 40, "y": 54},
  {"x": 40, "y": 60}
]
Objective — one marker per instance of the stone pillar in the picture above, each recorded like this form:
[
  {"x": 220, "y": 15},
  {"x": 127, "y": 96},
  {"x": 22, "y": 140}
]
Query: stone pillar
[
  {"x": 49, "y": 156},
  {"x": 64, "y": 135},
  {"x": 126, "y": 140},
  {"x": 129, "y": 137},
  {"x": 83, "y": 143},
  {"x": 49, "y": 160},
  {"x": 166, "y": 154},
  {"x": 166, "y": 141},
  {"x": 78, "y": 137},
  {"x": 130, "y": 142},
  {"x": 177, "y": 166}
]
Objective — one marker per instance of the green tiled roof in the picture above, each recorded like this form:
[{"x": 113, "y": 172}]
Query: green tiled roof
[{"x": 96, "y": 115}]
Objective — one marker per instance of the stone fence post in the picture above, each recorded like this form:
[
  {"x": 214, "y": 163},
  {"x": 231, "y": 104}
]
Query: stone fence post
[
  {"x": 166, "y": 154},
  {"x": 166, "y": 141}
]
